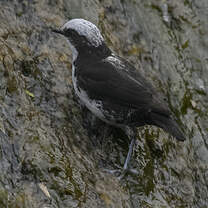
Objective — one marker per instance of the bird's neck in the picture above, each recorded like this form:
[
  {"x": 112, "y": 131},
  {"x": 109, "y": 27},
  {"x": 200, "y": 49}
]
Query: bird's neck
[{"x": 87, "y": 53}]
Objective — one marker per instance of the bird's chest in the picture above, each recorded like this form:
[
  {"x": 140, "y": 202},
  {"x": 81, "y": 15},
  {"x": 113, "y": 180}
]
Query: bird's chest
[{"x": 95, "y": 106}]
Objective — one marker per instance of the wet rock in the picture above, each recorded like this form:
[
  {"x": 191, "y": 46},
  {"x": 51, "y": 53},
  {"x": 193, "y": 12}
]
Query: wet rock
[{"x": 50, "y": 158}]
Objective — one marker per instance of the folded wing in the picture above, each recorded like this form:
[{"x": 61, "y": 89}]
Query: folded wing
[{"x": 121, "y": 84}]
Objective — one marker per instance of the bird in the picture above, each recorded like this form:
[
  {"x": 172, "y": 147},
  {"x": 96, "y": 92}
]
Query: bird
[{"x": 111, "y": 87}]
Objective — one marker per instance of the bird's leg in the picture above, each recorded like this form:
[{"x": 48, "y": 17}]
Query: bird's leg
[
  {"x": 131, "y": 133},
  {"x": 128, "y": 158}
]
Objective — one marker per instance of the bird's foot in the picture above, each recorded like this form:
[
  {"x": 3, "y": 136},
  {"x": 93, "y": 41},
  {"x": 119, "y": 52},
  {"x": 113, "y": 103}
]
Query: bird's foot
[{"x": 120, "y": 173}]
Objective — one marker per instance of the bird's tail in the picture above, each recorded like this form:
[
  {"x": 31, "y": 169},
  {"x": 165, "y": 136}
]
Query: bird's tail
[{"x": 168, "y": 124}]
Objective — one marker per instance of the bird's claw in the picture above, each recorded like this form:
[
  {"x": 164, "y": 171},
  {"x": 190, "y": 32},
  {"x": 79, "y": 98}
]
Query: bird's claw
[{"x": 120, "y": 173}]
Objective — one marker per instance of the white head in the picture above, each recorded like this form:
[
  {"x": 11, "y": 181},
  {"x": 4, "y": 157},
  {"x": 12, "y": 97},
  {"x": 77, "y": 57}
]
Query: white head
[
  {"x": 86, "y": 29},
  {"x": 84, "y": 37}
]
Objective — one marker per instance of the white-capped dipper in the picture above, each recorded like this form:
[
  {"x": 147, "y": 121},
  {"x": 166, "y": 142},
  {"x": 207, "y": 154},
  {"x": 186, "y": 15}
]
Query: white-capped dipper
[{"x": 110, "y": 87}]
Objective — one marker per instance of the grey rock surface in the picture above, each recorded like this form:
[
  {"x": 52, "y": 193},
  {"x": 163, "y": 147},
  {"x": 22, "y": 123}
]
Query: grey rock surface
[{"x": 50, "y": 155}]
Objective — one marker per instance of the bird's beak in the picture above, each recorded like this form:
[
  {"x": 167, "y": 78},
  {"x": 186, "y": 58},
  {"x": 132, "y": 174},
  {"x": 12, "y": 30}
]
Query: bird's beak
[{"x": 57, "y": 31}]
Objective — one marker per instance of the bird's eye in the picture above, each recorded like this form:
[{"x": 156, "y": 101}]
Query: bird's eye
[{"x": 67, "y": 32}]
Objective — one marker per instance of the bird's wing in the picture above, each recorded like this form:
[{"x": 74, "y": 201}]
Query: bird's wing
[{"x": 120, "y": 83}]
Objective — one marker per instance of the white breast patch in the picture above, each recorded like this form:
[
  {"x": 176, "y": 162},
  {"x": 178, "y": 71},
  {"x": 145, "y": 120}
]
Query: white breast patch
[{"x": 93, "y": 105}]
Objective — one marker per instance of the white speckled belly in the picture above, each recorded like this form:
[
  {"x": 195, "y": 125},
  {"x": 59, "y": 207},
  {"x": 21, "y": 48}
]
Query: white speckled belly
[{"x": 93, "y": 105}]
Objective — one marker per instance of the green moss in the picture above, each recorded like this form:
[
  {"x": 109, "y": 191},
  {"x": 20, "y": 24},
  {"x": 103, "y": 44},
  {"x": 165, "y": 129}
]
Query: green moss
[
  {"x": 156, "y": 7},
  {"x": 149, "y": 175},
  {"x": 3, "y": 198},
  {"x": 12, "y": 84},
  {"x": 186, "y": 102},
  {"x": 186, "y": 2},
  {"x": 200, "y": 92},
  {"x": 185, "y": 45},
  {"x": 19, "y": 201},
  {"x": 19, "y": 13}
]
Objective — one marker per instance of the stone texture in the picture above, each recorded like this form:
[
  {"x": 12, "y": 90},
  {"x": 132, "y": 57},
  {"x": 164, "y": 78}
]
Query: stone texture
[{"x": 51, "y": 157}]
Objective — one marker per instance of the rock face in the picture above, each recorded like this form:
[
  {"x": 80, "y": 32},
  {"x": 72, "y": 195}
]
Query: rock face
[{"x": 52, "y": 156}]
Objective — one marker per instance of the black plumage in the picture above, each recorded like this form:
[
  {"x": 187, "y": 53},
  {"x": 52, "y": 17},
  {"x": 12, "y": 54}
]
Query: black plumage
[
  {"x": 111, "y": 87},
  {"x": 125, "y": 94}
]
